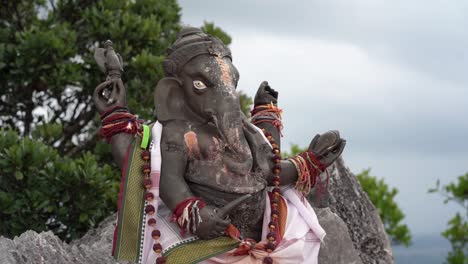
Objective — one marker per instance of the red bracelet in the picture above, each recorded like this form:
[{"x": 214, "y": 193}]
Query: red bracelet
[
  {"x": 268, "y": 107},
  {"x": 120, "y": 123},
  {"x": 309, "y": 168},
  {"x": 187, "y": 214}
]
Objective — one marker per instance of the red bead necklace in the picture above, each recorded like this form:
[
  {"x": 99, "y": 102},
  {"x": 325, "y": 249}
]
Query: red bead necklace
[{"x": 273, "y": 226}]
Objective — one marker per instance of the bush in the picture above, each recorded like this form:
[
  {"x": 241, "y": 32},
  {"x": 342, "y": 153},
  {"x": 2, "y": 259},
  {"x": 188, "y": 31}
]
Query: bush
[
  {"x": 41, "y": 190},
  {"x": 457, "y": 230},
  {"x": 383, "y": 198}
]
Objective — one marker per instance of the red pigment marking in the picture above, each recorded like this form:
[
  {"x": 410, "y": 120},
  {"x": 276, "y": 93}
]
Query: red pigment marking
[
  {"x": 215, "y": 149},
  {"x": 191, "y": 142},
  {"x": 225, "y": 72}
]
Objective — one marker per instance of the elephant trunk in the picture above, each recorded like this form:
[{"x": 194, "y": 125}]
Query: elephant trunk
[{"x": 228, "y": 120}]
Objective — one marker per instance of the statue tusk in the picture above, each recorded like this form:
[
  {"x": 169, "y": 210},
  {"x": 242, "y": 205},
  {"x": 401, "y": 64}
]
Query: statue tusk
[{"x": 223, "y": 212}]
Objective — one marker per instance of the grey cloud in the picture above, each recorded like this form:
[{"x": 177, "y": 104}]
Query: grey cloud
[{"x": 431, "y": 36}]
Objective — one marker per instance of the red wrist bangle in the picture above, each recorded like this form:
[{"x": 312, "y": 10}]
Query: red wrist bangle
[{"x": 187, "y": 214}]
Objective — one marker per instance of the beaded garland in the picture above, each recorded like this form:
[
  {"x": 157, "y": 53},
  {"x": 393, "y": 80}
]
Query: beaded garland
[
  {"x": 149, "y": 209},
  {"x": 268, "y": 113},
  {"x": 274, "y": 201}
]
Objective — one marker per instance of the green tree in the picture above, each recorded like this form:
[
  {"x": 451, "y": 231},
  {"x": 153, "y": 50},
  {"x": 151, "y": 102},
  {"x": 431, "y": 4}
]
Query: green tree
[
  {"x": 42, "y": 190},
  {"x": 47, "y": 65},
  {"x": 211, "y": 29},
  {"x": 295, "y": 149},
  {"x": 457, "y": 230},
  {"x": 383, "y": 198}
]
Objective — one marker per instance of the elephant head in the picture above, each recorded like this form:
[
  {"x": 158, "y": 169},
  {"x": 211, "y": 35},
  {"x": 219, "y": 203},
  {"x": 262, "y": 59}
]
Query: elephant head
[{"x": 200, "y": 85}]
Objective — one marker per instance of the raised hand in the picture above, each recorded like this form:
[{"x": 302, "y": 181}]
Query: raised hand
[
  {"x": 327, "y": 146},
  {"x": 108, "y": 94},
  {"x": 214, "y": 220},
  {"x": 265, "y": 95},
  {"x": 111, "y": 92}
]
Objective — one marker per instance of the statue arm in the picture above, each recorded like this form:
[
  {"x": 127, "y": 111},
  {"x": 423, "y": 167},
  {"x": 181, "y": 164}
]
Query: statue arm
[
  {"x": 266, "y": 95},
  {"x": 288, "y": 173},
  {"x": 104, "y": 102},
  {"x": 173, "y": 187},
  {"x": 119, "y": 145},
  {"x": 273, "y": 130}
]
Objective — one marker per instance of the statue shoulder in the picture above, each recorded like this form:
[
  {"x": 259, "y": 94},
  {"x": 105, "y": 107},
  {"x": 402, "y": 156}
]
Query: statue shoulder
[{"x": 173, "y": 132}]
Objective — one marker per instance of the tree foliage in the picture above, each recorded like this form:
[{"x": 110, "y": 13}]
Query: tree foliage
[
  {"x": 295, "y": 150},
  {"x": 211, "y": 29},
  {"x": 47, "y": 65},
  {"x": 42, "y": 190},
  {"x": 383, "y": 197},
  {"x": 457, "y": 230}
]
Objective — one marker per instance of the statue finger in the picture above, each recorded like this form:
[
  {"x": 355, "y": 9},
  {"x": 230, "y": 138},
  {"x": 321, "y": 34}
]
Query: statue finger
[
  {"x": 336, "y": 132},
  {"x": 331, "y": 155},
  {"x": 98, "y": 96},
  {"x": 262, "y": 87},
  {"x": 274, "y": 93},
  {"x": 339, "y": 148},
  {"x": 331, "y": 141},
  {"x": 122, "y": 92},
  {"x": 335, "y": 144},
  {"x": 222, "y": 224},
  {"x": 100, "y": 88},
  {"x": 118, "y": 92},
  {"x": 220, "y": 228},
  {"x": 224, "y": 211},
  {"x": 313, "y": 143}
]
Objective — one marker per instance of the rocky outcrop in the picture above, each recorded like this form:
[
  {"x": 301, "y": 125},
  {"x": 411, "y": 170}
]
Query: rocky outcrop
[
  {"x": 336, "y": 240},
  {"x": 31, "y": 247},
  {"x": 348, "y": 200},
  {"x": 355, "y": 233}
]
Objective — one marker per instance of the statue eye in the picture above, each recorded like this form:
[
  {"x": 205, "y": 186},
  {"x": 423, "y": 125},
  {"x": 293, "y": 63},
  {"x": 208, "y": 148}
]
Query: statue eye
[{"x": 199, "y": 85}]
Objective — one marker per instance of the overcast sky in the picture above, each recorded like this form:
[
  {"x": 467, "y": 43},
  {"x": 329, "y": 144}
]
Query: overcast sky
[{"x": 391, "y": 76}]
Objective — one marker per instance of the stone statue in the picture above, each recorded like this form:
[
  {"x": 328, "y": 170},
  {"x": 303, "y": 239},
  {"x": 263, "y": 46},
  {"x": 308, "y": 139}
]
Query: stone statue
[{"x": 219, "y": 176}]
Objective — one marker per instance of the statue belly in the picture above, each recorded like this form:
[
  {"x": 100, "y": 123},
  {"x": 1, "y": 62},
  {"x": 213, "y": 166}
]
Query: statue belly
[
  {"x": 247, "y": 217},
  {"x": 220, "y": 177}
]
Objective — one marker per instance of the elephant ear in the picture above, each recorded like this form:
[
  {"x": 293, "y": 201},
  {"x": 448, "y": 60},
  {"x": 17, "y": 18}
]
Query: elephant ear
[{"x": 169, "y": 100}]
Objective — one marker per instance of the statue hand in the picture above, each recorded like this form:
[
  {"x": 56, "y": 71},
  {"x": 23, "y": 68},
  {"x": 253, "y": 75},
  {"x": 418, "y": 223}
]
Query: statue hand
[
  {"x": 328, "y": 147},
  {"x": 109, "y": 94},
  {"x": 265, "y": 95},
  {"x": 214, "y": 220}
]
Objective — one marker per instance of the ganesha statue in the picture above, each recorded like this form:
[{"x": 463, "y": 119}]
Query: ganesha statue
[{"x": 203, "y": 183}]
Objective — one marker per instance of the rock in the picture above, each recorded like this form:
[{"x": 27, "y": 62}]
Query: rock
[
  {"x": 355, "y": 233},
  {"x": 31, "y": 247},
  {"x": 336, "y": 240},
  {"x": 347, "y": 199},
  {"x": 96, "y": 245}
]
